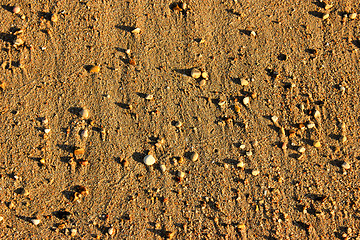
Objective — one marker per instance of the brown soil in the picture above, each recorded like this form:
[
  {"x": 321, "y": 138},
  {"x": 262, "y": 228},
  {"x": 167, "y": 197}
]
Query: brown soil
[{"x": 297, "y": 64}]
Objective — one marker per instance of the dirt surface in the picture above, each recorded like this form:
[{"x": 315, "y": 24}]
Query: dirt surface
[{"x": 250, "y": 181}]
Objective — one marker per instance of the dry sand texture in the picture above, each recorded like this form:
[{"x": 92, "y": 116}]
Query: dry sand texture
[{"x": 274, "y": 125}]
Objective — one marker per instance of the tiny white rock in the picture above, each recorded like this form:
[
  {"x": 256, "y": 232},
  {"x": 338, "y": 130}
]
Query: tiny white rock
[
  {"x": 244, "y": 82},
  {"x": 149, "y": 160},
  {"x": 194, "y": 156},
  {"x": 249, "y": 153},
  {"x": 274, "y": 119},
  {"x": 301, "y": 149},
  {"x": 128, "y": 51},
  {"x": 255, "y": 172},
  {"x": 205, "y": 75},
  {"x": 73, "y": 232},
  {"x": 195, "y": 73},
  {"x": 241, "y": 164},
  {"x": 181, "y": 174},
  {"x": 253, "y": 33},
  {"x": 136, "y": 30},
  {"x": 84, "y": 133},
  {"x": 35, "y": 221},
  {"x": 149, "y": 97},
  {"x": 1, "y": 218},
  {"x": 246, "y": 100},
  {"x": 345, "y": 165},
  {"x": 317, "y": 114},
  {"x": 111, "y": 231},
  {"x": 162, "y": 167},
  {"x": 352, "y": 15},
  {"x": 47, "y": 130},
  {"x": 84, "y": 113},
  {"x": 242, "y": 146},
  {"x": 310, "y": 125}
]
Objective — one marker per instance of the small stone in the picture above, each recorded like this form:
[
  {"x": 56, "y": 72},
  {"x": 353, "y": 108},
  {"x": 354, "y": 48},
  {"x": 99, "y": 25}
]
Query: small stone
[
  {"x": 16, "y": 9},
  {"x": 47, "y": 130},
  {"x": 317, "y": 114},
  {"x": 325, "y": 16},
  {"x": 84, "y": 113},
  {"x": 42, "y": 161},
  {"x": 343, "y": 139},
  {"x": 162, "y": 167},
  {"x": 352, "y": 16},
  {"x": 274, "y": 119},
  {"x": 249, "y": 153},
  {"x": 241, "y": 164},
  {"x": 136, "y": 30},
  {"x": 195, "y": 73},
  {"x": 244, "y": 82},
  {"x": 221, "y": 103},
  {"x": 328, "y": 6},
  {"x": 253, "y": 33},
  {"x": 149, "y": 97},
  {"x": 35, "y": 221},
  {"x": 73, "y": 232},
  {"x": 54, "y": 17},
  {"x": 345, "y": 165},
  {"x": 255, "y": 172},
  {"x": 310, "y": 125},
  {"x": 301, "y": 149},
  {"x": 11, "y": 205},
  {"x": 111, "y": 231},
  {"x": 246, "y": 100},
  {"x": 1, "y": 218},
  {"x": 194, "y": 156},
  {"x": 205, "y": 75},
  {"x": 202, "y": 82},
  {"x": 94, "y": 69},
  {"x": 178, "y": 124},
  {"x": 149, "y": 160},
  {"x": 18, "y": 42},
  {"x": 180, "y": 174},
  {"x": 79, "y": 152},
  {"x": 84, "y": 133},
  {"x": 317, "y": 144}
]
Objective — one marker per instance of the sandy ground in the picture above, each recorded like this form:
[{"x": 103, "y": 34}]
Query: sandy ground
[{"x": 250, "y": 180}]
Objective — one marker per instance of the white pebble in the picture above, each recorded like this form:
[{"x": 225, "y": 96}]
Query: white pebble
[
  {"x": 84, "y": 133},
  {"x": 194, "y": 156},
  {"x": 111, "y": 231},
  {"x": 73, "y": 232},
  {"x": 301, "y": 149},
  {"x": 352, "y": 16},
  {"x": 35, "y": 221},
  {"x": 246, "y": 100},
  {"x": 253, "y": 33},
  {"x": 149, "y": 160},
  {"x": 249, "y": 153},
  {"x": 181, "y": 174},
  {"x": 242, "y": 146},
  {"x": 244, "y": 82},
  {"x": 149, "y": 97},
  {"x": 136, "y": 30},
  {"x": 345, "y": 165},
  {"x": 162, "y": 167},
  {"x": 274, "y": 119},
  {"x": 84, "y": 113},
  {"x": 255, "y": 172},
  {"x": 317, "y": 114},
  {"x": 195, "y": 73},
  {"x": 310, "y": 125},
  {"x": 1, "y": 218},
  {"x": 47, "y": 130},
  {"x": 241, "y": 164},
  {"x": 205, "y": 75},
  {"x": 128, "y": 51}
]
